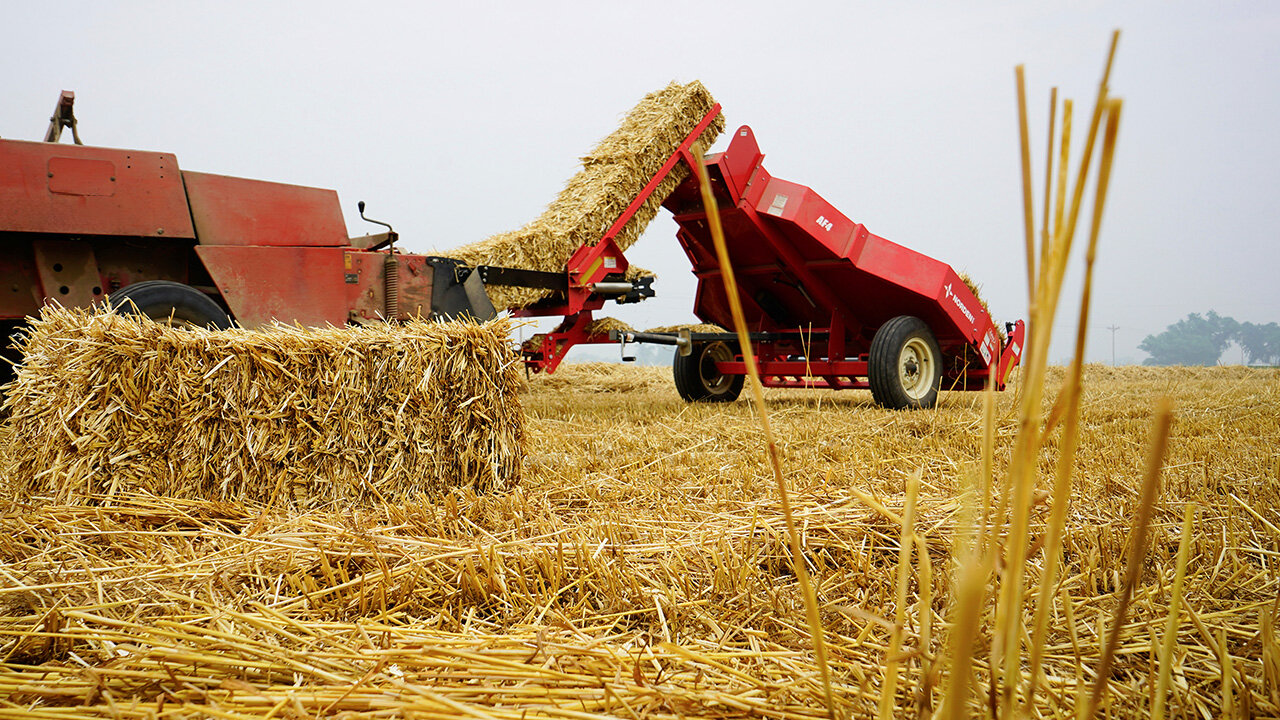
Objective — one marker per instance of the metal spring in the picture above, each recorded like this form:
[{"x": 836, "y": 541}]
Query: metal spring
[{"x": 391, "y": 284}]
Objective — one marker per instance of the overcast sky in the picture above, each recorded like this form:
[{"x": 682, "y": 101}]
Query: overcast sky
[{"x": 458, "y": 120}]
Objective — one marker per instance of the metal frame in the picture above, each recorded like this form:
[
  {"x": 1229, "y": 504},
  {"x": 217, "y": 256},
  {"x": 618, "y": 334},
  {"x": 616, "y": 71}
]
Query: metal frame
[
  {"x": 590, "y": 265},
  {"x": 818, "y": 252}
]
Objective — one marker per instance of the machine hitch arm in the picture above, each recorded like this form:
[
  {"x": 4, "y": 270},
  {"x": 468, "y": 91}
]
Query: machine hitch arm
[{"x": 64, "y": 116}]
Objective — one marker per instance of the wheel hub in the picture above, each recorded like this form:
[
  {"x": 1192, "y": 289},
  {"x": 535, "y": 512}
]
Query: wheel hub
[
  {"x": 916, "y": 368},
  {"x": 712, "y": 379}
]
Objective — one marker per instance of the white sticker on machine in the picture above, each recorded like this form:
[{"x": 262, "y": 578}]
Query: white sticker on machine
[
  {"x": 611, "y": 263},
  {"x": 779, "y": 203}
]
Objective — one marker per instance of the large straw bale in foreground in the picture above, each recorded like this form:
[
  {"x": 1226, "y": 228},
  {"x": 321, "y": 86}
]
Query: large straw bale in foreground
[
  {"x": 107, "y": 403},
  {"x": 612, "y": 175}
]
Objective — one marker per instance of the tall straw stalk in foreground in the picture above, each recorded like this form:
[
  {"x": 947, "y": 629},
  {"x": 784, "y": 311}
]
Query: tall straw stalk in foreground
[
  {"x": 1045, "y": 272},
  {"x": 757, "y": 400},
  {"x": 1009, "y": 629}
]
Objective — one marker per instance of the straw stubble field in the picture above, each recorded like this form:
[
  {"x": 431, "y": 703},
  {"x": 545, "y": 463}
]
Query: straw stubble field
[{"x": 641, "y": 569}]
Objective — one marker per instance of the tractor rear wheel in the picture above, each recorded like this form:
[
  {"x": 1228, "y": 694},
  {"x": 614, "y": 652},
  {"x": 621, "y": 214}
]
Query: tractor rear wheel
[
  {"x": 698, "y": 379},
  {"x": 905, "y": 366},
  {"x": 170, "y": 303}
]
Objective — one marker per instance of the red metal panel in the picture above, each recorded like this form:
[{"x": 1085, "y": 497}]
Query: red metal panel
[
  {"x": 295, "y": 284},
  {"x": 416, "y": 281},
  {"x": 1012, "y": 354},
  {"x": 238, "y": 211},
  {"x": 20, "y": 294},
  {"x": 740, "y": 161},
  {"x": 82, "y": 176},
  {"x": 68, "y": 272},
  {"x": 964, "y": 309},
  {"x": 81, "y": 190},
  {"x": 364, "y": 274},
  {"x": 901, "y": 266},
  {"x": 886, "y": 278},
  {"x": 811, "y": 214}
]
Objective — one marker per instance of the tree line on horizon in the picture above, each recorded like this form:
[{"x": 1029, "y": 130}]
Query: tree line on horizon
[{"x": 1201, "y": 339}]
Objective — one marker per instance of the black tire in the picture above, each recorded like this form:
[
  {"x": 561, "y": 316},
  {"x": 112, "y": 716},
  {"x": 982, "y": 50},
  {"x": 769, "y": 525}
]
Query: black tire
[
  {"x": 698, "y": 380},
  {"x": 905, "y": 366},
  {"x": 171, "y": 303}
]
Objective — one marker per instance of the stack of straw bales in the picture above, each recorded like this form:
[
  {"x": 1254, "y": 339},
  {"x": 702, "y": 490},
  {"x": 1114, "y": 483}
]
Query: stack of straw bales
[
  {"x": 612, "y": 175},
  {"x": 107, "y": 403}
]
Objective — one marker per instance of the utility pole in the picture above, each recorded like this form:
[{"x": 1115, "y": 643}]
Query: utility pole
[{"x": 1113, "y": 329}]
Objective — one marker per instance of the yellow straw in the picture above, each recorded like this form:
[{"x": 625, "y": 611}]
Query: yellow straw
[
  {"x": 757, "y": 397},
  {"x": 1171, "y": 624}
]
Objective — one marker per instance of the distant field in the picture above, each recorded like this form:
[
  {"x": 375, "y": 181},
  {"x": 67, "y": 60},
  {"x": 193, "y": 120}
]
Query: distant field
[{"x": 641, "y": 569}]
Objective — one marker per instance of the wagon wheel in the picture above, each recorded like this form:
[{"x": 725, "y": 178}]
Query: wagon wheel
[
  {"x": 698, "y": 380},
  {"x": 905, "y": 366},
  {"x": 170, "y": 303}
]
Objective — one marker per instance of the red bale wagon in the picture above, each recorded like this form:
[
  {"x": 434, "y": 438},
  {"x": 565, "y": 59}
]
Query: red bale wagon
[{"x": 828, "y": 303}]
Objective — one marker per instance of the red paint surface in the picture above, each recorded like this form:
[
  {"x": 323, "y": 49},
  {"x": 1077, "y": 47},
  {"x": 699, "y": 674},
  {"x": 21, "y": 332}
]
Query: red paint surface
[
  {"x": 801, "y": 263},
  {"x": 82, "y": 190},
  {"x": 239, "y": 211},
  {"x": 291, "y": 284}
]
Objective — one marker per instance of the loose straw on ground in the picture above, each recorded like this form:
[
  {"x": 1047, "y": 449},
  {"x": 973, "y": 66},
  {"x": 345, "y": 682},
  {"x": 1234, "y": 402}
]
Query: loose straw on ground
[
  {"x": 971, "y": 573},
  {"x": 1170, "y": 640},
  {"x": 712, "y": 210},
  {"x": 889, "y": 690},
  {"x": 542, "y": 599},
  {"x": 1137, "y": 553}
]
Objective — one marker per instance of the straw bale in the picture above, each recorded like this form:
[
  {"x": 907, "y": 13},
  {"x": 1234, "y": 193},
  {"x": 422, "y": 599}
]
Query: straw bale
[
  {"x": 602, "y": 326},
  {"x": 693, "y": 328},
  {"x": 105, "y": 403},
  {"x": 612, "y": 175}
]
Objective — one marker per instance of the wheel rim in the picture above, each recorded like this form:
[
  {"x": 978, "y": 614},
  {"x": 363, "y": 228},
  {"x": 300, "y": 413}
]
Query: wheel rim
[
  {"x": 916, "y": 368},
  {"x": 714, "y": 381},
  {"x": 176, "y": 322}
]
